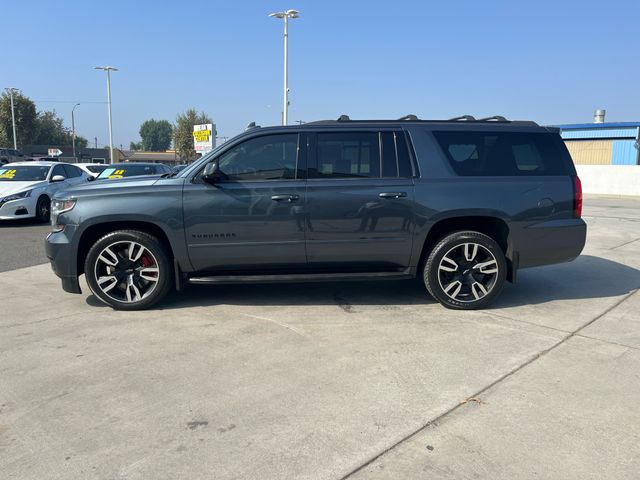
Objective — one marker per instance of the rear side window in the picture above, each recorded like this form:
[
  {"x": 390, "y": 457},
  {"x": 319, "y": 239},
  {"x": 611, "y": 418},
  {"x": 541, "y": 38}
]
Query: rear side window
[
  {"x": 348, "y": 155},
  {"x": 72, "y": 171},
  {"x": 502, "y": 153}
]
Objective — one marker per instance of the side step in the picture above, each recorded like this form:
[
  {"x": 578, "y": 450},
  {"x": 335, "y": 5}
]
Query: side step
[{"x": 302, "y": 277}]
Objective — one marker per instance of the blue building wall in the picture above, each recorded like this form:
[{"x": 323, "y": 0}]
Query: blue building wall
[{"x": 624, "y": 152}]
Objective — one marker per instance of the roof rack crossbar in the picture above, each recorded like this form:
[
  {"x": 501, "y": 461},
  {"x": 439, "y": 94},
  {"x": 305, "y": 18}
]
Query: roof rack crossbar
[
  {"x": 409, "y": 117},
  {"x": 493, "y": 118},
  {"x": 463, "y": 118}
]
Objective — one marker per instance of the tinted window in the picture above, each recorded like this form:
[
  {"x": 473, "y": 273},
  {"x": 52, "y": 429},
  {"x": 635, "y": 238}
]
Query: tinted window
[
  {"x": 96, "y": 168},
  {"x": 72, "y": 171},
  {"x": 58, "y": 170},
  {"x": 347, "y": 155},
  {"x": 389, "y": 158},
  {"x": 271, "y": 157},
  {"x": 130, "y": 170},
  {"x": 404, "y": 161},
  {"x": 503, "y": 153}
]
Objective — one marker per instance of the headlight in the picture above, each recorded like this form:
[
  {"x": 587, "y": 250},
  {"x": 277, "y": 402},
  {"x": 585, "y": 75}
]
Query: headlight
[
  {"x": 16, "y": 196},
  {"x": 58, "y": 207}
]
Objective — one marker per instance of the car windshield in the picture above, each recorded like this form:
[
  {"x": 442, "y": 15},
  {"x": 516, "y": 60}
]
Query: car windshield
[
  {"x": 96, "y": 168},
  {"x": 27, "y": 173},
  {"x": 121, "y": 171}
]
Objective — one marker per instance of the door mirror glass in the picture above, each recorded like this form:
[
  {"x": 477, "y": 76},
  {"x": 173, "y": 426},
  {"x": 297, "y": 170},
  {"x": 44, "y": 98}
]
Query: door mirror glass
[
  {"x": 57, "y": 178},
  {"x": 212, "y": 174}
]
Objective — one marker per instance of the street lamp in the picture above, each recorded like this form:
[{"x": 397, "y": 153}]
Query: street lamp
[
  {"x": 286, "y": 16},
  {"x": 13, "y": 116},
  {"x": 73, "y": 130},
  {"x": 108, "y": 70}
]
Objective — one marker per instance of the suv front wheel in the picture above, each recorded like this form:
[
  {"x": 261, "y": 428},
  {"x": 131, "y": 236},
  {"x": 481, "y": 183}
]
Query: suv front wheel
[
  {"x": 128, "y": 270},
  {"x": 465, "y": 270}
]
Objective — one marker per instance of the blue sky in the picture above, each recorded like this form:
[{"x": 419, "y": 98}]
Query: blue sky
[{"x": 549, "y": 61}]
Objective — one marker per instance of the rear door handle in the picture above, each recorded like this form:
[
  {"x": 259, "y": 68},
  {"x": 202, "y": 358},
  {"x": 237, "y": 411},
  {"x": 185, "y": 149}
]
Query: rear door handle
[
  {"x": 392, "y": 194},
  {"x": 285, "y": 198}
]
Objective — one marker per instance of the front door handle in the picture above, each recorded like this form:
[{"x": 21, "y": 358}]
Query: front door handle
[
  {"x": 285, "y": 198},
  {"x": 392, "y": 194}
]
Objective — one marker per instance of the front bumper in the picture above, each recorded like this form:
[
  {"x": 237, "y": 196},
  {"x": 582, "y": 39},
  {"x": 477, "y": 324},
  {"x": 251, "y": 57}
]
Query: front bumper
[
  {"x": 21, "y": 208},
  {"x": 62, "y": 254}
]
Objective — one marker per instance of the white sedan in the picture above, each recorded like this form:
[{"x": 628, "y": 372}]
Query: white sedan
[{"x": 26, "y": 188}]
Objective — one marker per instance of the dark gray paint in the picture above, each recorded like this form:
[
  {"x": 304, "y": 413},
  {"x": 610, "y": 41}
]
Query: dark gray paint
[{"x": 333, "y": 225}]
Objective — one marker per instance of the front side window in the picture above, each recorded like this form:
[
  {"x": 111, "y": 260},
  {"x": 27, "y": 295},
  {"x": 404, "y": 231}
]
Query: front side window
[
  {"x": 348, "y": 155},
  {"x": 58, "y": 170},
  {"x": 270, "y": 157}
]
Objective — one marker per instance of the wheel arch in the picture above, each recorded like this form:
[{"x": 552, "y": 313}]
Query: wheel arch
[
  {"x": 94, "y": 232},
  {"x": 492, "y": 226}
]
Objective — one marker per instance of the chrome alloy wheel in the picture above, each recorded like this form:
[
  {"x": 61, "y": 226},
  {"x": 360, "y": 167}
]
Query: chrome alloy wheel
[
  {"x": 467, "y": 272},
  {"x": 126, "y": 271}
]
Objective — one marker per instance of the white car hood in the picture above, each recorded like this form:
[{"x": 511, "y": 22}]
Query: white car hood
[{"x": 11, "y": 187}]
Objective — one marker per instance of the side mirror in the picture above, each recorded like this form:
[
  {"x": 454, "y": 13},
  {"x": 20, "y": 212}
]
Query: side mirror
[
  {"x": 57, "y": 178},
  {"x": 212, "y": 174},
  {"x": 91, "y": 178}
]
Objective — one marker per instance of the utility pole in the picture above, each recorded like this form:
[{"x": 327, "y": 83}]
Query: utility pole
[
  {"x": 13, "y": 117},
  {"x": 286, "y": 16},
  {"x": 73, "y": 130},
  {"x": 109, "y": 70}
]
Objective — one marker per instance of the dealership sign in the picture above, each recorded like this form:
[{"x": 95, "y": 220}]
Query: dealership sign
[{"x": 204, "y": 137}]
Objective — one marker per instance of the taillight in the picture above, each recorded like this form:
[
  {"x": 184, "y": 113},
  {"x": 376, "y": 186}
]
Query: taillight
[{"x": 577, "y": 197}]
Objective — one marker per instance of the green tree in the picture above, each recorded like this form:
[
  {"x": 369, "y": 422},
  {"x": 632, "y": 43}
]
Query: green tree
[
  {"x": 81, "y": 142},
  {"x": 25, "y": 113},
  {"x": 156, "y": 135},
  {"x": 183, "y": 132},
  {"x": 50, "y": 130},
  {"x": 135, "y": 146}
]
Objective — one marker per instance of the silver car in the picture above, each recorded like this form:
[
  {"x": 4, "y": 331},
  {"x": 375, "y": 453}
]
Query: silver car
[{"x": 26, "y": 188}]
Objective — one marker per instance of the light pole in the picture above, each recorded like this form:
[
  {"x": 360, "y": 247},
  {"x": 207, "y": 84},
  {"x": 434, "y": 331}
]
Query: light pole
[
  {"x": 108, "y": 70},
  {"x": 13, "y": 117},
  {"x": 286, "y": 16},
  {"x": 73, "y": 130}
]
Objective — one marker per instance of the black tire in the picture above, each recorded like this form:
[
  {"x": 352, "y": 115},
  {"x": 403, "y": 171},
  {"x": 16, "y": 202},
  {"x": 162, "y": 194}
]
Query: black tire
[
  {"x": 465, "y": 280},
  {"x": 120, "y": 283},
  {"x": 43, "y": 209}
]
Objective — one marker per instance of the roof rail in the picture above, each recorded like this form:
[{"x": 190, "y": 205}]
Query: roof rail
[
  {"x": 464, "y": 118},
  {"x": 343, "y": 118},
  {"x": 494, "y": 118},
  {"x": 409, "y": 117}
]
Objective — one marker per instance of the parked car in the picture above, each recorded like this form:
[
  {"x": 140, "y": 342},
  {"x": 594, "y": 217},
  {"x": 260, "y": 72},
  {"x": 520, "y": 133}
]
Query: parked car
[
  {"x": 9, "y": 155},
  {"x": 179, "y": 168},
  {"x": 133, "y": 169},
  {"x": 462, "y": 204},
  {"x": 26, "y": 188},
  {"x": 92, "y": 169}
]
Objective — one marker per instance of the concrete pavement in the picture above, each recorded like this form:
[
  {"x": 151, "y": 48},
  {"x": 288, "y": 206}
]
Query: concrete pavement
[{"x": 354, "y": 380}]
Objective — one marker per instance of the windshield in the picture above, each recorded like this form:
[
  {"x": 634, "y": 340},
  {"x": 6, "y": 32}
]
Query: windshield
[
  {"x": 29, "y": 173},
  {"x": 96, "y": 168},
  {"x": 122, "y": 171}
]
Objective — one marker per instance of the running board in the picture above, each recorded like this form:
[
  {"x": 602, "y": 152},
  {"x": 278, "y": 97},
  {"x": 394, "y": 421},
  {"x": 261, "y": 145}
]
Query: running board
[{"x": 302, "y": 277}]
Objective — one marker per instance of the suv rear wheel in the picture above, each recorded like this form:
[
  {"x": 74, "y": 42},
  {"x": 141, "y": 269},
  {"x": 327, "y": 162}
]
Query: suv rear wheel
[
  {"x": 465, "y": 270},
  {"x": 128, "y": 270}
]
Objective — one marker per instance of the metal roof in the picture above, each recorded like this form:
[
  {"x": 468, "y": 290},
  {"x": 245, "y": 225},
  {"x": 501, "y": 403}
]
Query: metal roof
[{"x": 584, "y": 126}]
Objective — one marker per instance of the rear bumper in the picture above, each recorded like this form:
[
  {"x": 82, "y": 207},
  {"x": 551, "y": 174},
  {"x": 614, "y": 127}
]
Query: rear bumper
[
  {"x": 61, "y": 253},
  {"x": 545, "y": 243}
]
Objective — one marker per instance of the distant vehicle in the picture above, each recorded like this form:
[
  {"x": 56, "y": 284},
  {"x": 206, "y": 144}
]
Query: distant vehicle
[
  {"x": 26, "y": 188},
  {"x": 179, "y": 168},
  {"x": 9, "y": 155},
  {"x": 43, "y": 159},
  {"x": 122, "y": 170},
  {"x": 92, "y": 169}
]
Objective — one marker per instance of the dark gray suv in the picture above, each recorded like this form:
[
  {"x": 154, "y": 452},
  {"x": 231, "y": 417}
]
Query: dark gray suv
[{"x": 462, "y": 204}]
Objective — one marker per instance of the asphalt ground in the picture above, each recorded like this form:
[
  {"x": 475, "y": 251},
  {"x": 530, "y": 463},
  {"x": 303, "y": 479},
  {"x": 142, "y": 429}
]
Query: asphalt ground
[
  {"x": 332, "y": 381},
  {"x": 22, "y": 243}
]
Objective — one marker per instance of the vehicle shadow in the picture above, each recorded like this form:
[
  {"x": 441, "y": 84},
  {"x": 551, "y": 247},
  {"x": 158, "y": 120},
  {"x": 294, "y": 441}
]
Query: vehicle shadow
[
  {"x": 23, "y": 222},
  {"x": 586, "y": 277}
]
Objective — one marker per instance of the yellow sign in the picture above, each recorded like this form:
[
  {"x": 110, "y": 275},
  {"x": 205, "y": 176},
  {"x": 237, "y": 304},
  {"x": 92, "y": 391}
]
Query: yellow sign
[
  {"x": 116, "y": 174},
  {"x": 8, "y": 174},
  {"x": 201, "y": 135}
]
